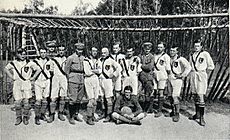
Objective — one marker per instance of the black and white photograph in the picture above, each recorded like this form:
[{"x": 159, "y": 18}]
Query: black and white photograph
[{"x": 114, "y": 70}]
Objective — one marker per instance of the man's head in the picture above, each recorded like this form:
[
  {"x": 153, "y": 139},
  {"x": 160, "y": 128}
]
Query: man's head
[
  {"x": 198, "y": 45},
  {"x": 104, "y": 52},
  {"x": 147, "y": 47},
  {"x": 43, "y": 53},
  {"x": 128, "y": 91},
  {"x": 174, "y": 51},
  {"x": 116, "y": 47},
  {"x": 51, "y": 45},
  {"x": 129, "y": 52},
  {"x": 79, "y": 48},
  {"x": 61, "y": 50},
  {"x": 160, "y": 47},
  {"x": 94, "y": 52},
  {"x": 21, "y": 54}
]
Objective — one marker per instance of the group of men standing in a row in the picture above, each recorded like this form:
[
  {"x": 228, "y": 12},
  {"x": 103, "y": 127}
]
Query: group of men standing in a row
[{"x": 124, "y": 82}]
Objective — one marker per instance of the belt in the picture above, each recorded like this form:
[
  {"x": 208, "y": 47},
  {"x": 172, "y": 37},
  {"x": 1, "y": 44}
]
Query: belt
[{"x": 73, "y": 71}]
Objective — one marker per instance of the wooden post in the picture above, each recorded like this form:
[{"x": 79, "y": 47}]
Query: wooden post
[{"x": 1, "y": 63}]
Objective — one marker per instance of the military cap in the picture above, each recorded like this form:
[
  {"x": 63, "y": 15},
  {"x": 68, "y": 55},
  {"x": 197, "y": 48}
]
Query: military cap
[
  {"x": 147, "y": 44},
  {"x": 51, "y": 43},
  {"x": 79, "y": 46}
]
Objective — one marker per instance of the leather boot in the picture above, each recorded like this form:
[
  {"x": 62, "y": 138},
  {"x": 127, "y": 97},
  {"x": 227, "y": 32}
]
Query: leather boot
[
  {"x": 61, "y": 116},
  {"x": 89, "y": 120},
  {"x": 72, "y": 111},
  {"x": 197, "y": 115},
  {"x": 76, "y": 117},
  {"x": 18, "y": 111},
  {"x": 176, "y": 117},
  {"x": 150, "y": 109},
  {"x": 202, "y": 122},
  {"x": 37, "y": 120},
  {"x": 26, "y": 120},
  {"x": 26, "y": 114},
  {"x": 160, "y": 106},
  {"x": 51, "y": 118}
]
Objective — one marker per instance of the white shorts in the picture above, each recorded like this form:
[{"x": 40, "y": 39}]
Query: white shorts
[
  {"x": 131, "y": 81},
  {"x": 106, "y": 87},
  {"x": 176, "y": 85},
  {"x": 92, "y": 87},
  {"x": 22, "y": 90},
  {"x": 117, "y": 83},
  {"x": 199, "y": 82},
  {"x": 161, "y": 84},
  {"x": 42, "y": 89},
  {"x": 59, "y": 86}
]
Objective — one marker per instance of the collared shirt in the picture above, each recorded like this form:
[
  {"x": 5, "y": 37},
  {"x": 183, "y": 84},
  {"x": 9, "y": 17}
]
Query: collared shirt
[
  {"x": 131, "y": 66},
  {"x": 179, "y": 65},
  {"x": 25, "y": 68},
  {"x": 45, "y": 65},
  {"x": 201, "y": 61},
  {"x": 61, "y": 61},
  {"x": 118, "y": 57},
  {"x": 131, "y": 103},
  {"x": 74, "y": 69},
  {"x": 92, "y": 64},
  {"x": 110, "y": 68}
]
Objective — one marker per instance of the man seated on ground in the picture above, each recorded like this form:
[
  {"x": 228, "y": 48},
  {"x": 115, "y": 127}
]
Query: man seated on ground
[{"x": 127, "y": 109}]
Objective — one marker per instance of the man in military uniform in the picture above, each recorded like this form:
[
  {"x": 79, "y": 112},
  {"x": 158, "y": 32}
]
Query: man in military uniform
[
  {"x": 161, "y": 71},
  {"x": 42, "y": 85},
  {"x": 131, "y": 67},
  {"x": 127, "y": 108},
  {"x": 201, "y": 63},
  {"x": 110, "y": 70},
  {"x": 75, "y": 75},
  {"x": 146, "y": 77},
  {"x": 117, "y": 56},
  {"x": 180, "y": 68},
  {"x": 21, "y": 75},
  {"x": 92, "y": 69},
  {"x": 59, "y": 85}
]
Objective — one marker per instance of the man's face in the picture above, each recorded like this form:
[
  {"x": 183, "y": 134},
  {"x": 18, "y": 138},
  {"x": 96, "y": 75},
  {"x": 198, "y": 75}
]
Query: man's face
[
  {"x": 116, "y": 49},
  {"x": 43, "y": 53},
  {"x": 61, "y": 51},
  {"x": 129, "y": 52},
  {"x": 197, "y": 47},
  {"x": 147, "y": 50},
  {"x": 160, "y": 48},
  {"x": 173, "y": 52},
  {"x": 21, "y": 55},
  {"x": 104, "y": 53},
  {"x": 128, "y": 94},
  {"x": 94, "y": 52},
  {"x": 79, "y": 51}
]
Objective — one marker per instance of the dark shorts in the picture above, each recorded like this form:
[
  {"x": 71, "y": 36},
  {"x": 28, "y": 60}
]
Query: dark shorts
[{"x": 76, "y": 92}]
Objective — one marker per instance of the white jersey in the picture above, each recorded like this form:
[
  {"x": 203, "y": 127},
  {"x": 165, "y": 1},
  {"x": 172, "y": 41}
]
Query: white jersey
[
  {"x": 118, "y": 57},
  {"x": 58, "y": 64},
  {"x": 92, "y": 64},
  {"x": 110, "y": 68},
  {"x": 25, "y": 69},
  {"x": 131, "y": 66},
  {"x": 161, "y": 65},
  {"x": 201, "y": 61},
  {"x": 179, "y": 65},
  {"x": 45, "y": 66}
]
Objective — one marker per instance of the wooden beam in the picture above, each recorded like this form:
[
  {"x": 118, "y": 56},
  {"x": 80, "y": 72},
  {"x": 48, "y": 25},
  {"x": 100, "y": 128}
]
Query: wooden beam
[{"x": 10, "y": 15}]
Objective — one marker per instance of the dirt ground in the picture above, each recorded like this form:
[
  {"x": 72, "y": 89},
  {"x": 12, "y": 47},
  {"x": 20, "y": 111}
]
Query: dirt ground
[{"x": 218, "y": 127}]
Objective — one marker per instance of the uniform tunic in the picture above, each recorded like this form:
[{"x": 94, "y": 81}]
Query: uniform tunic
[
  {"x": 92, "y": 86},
  {"x": 42, "y": 83},
  {"x": 22, "y": 88},
  {"x": 75, "y": 74},
  {"x": 131, "y": 67},
  {"x": 179, "y": 66},
  {"x": 110, "y": 70},
  {"x": 200, "y": 62}
]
